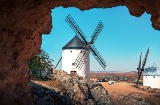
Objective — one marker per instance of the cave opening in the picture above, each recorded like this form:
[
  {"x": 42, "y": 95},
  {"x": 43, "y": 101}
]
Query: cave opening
[{"x": 23, "y": 24}]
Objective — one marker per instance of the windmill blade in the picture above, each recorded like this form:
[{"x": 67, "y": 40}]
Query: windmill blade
[
  {"x": 98, "y": 57},
  {"x": 145, "y": 59},
  {"x": 81, "y": 59},
  {"x": 76, "y": 28},
  {"x": 96, "y": 32},
  {"x": 58, "y": 63},
  {"x": 78, "y": 60},
  {"x": 84, "y": 60},
  {"x": 139, "y": 66},
  {"x": 139, "y": 76}
]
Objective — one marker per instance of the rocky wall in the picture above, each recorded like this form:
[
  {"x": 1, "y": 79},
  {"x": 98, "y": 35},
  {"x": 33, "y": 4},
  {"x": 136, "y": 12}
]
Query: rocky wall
[{"x": 22, "y": 23}]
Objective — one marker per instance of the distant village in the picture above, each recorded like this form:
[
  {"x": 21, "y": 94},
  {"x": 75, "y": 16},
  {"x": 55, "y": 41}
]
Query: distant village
[{"x": 115, "y": 76}]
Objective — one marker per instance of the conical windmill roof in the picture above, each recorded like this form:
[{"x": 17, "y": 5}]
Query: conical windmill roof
[
  {"x": 153, "y": 70},
  {"x": 74, "y": 43}
]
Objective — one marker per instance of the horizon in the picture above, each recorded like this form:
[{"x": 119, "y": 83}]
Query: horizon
[{"x": 120, "y": 43}]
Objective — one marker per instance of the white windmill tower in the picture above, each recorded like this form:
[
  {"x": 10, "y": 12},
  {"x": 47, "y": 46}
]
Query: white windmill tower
[
  {"x": 69, "y": 54},
  {"x": 75, "y": 54}
]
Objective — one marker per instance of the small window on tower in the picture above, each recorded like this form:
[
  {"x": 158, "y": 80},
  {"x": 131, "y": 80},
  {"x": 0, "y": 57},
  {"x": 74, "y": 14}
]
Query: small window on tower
[
  {"x": 153, "y": 76},
  {"x": 71, "y": 51},
  {"x": 73, "y": 64}
]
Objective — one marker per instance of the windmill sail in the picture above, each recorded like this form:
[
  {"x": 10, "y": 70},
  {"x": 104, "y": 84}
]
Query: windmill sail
[
  {"x": 139, "y": 66},
  {"x": 98, "y": 57},
  {"x": 76, "y": 28},
  {"x": 83, "y": 55},
  {"x": 143, "y": 64},
  {"x": 145, "y": 59},
  {"x": 80, "y": 60},
  {"x": 97, "y": 32}
]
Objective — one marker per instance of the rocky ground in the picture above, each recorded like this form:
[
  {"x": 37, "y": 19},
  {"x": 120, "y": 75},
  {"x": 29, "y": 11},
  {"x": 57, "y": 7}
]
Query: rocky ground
[
  {"x": 67, "y": 89},
  {"x": 46, "y": 96},
  {"x": 130, "y": 94}
]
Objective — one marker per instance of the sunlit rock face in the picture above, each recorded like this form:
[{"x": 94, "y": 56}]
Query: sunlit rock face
[
  {"x": 20, "y": 40},
  {"x": 22, "y": 23}
]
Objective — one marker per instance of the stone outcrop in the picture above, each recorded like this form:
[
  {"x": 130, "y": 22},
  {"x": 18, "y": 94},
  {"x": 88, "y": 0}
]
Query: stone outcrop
[
  {"x": 46, "y": 96},
  {"x": 22, "y": 23},
  {"x": 81, "y": 91},
  {"x": 147, "y": 89},
  {"x": 132, "y": 99}
]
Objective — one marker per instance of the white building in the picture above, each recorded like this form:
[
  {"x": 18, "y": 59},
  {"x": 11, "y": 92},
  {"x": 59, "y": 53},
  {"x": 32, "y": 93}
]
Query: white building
[
  {"x": 151, "y": 77},
  {"x": 69, "y": 54},
  {"x": 111, "y": 82}
]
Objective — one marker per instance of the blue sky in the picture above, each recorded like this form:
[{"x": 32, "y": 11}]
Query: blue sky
[{"x": 120, "y": 43}]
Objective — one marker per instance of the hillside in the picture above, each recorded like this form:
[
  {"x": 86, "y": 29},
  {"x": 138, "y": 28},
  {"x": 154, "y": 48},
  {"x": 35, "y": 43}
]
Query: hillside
[{"x": 67, "y": 89}]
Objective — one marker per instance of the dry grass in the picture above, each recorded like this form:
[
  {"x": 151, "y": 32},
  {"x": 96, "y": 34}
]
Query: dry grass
[{"x": 51, "y": 84}]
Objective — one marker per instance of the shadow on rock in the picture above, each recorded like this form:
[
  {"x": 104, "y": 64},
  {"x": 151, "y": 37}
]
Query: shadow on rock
[{"x": 46, "y": 96}]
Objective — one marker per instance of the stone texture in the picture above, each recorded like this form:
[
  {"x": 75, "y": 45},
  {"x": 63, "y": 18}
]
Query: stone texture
[
  {"x": 17, "y": 45},
  {"x": 147, "y": 89},
  {"x": 81, "y": 91},
  {"x": 46, "y": 96},
  {"x": 22, "y": 23},
  {"x": 132, "y": 99}
]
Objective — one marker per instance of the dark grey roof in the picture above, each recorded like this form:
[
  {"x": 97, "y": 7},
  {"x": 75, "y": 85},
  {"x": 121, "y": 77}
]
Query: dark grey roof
[{"x": 74, "y": 43}]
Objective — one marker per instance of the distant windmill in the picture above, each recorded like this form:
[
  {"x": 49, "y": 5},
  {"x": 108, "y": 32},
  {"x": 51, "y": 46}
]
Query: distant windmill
[
  {"x": 76, "y": 52},
  {"x": 141, "y": 68}
]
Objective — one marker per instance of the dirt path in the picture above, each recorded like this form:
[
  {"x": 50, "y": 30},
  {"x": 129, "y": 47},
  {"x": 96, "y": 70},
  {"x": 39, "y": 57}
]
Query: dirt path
[
  {"x": 121, "y": 88},
  {"x": 115, "y": 90}
]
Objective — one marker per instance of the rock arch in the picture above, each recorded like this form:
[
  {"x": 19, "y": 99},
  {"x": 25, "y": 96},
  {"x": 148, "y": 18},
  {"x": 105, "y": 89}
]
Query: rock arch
[{"x": 22, "y": 23}]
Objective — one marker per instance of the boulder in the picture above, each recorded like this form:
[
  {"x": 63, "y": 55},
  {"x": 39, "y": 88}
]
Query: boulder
[{"x": 81, "y": 91}]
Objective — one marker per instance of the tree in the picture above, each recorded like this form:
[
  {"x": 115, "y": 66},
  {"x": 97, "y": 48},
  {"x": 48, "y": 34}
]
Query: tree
[{"x": 41, "y": 65}]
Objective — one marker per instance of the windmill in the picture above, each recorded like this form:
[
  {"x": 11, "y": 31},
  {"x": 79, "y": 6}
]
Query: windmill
[
  {"x": 76, "y": 52},
  {"x": 141, "y": 68}
]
